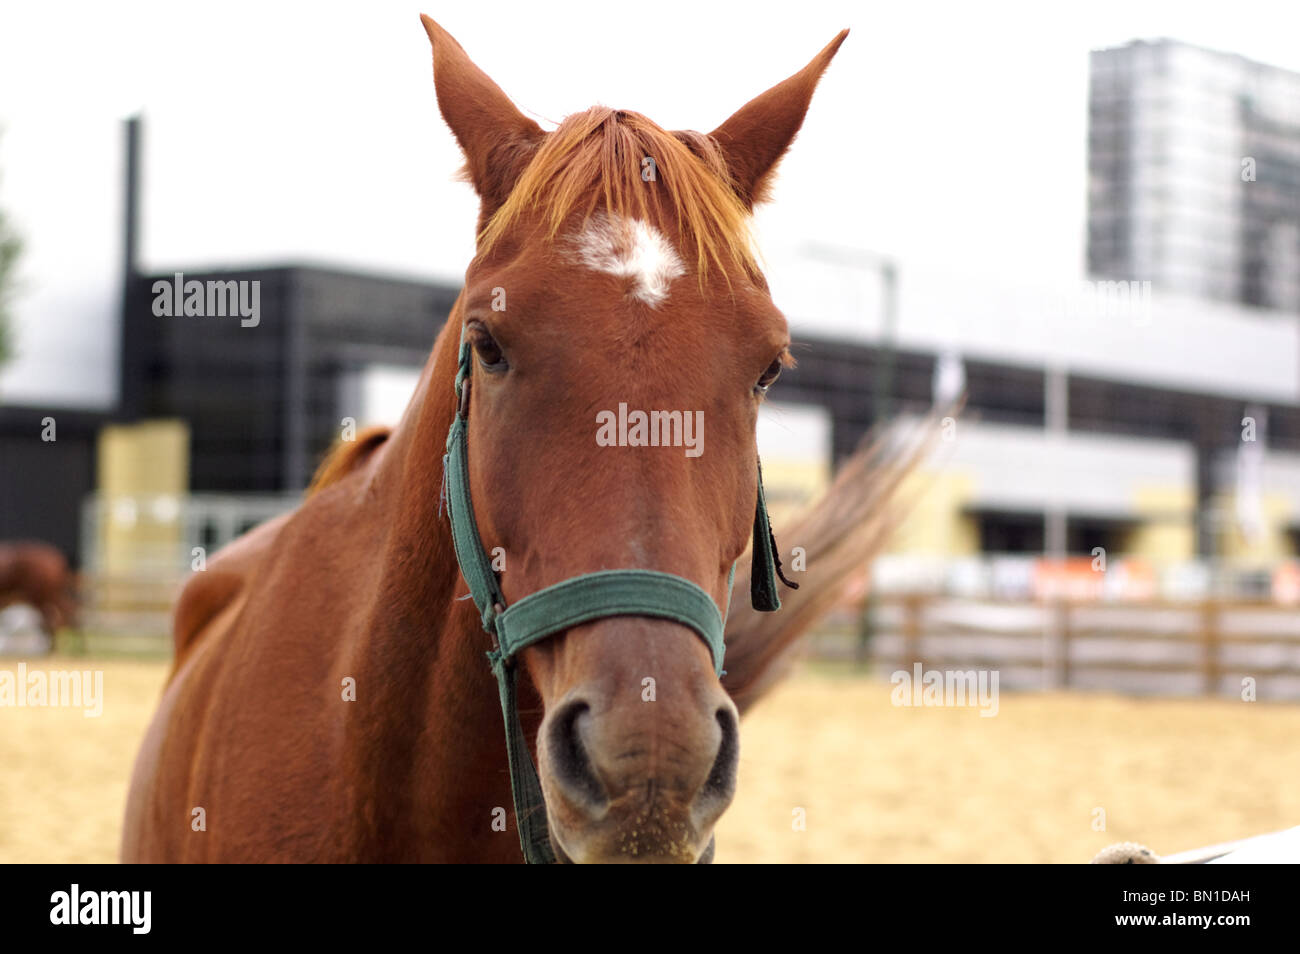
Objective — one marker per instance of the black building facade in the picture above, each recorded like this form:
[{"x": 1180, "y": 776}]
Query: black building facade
[
  {"x": 47, "y": 467},
  {"x": 263, "y": 399}
]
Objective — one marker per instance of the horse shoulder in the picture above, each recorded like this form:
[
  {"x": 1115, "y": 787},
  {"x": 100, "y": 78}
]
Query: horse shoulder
[{"x": 207, "y": 592}]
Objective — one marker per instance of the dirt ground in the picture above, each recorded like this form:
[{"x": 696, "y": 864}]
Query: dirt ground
[{"x": 830, "y": 771}]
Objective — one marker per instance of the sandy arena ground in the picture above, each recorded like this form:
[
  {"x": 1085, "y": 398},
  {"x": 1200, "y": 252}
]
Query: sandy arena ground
[{"x": 873, "y": 782}]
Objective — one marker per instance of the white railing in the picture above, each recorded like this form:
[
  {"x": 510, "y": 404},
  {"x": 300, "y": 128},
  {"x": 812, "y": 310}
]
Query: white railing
[{"x": 137, "y": 550}]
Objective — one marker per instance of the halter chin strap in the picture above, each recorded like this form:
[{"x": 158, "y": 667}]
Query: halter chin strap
[{"x": 578, "y": 600}]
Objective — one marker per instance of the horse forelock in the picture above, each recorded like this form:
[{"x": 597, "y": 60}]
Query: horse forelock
[{"x": 625, "y": 165}]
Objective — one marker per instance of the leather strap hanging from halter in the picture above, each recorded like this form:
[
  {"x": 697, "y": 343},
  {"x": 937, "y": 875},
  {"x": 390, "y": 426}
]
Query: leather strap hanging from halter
[{"x": 578, "y": 600}]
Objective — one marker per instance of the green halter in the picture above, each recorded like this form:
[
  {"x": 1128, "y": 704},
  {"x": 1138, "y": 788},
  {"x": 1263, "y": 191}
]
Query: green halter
[{"x": 572, "y": 602}]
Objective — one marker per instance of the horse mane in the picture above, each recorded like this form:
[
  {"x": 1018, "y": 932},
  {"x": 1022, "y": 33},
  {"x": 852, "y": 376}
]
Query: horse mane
[
  {"x": 345, "y": 456},
  {"x": 599, "y": 154}
]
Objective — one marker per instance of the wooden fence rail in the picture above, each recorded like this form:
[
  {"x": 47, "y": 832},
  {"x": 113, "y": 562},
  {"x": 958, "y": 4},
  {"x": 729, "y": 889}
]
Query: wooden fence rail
[{"x": 1209, "y": 647}]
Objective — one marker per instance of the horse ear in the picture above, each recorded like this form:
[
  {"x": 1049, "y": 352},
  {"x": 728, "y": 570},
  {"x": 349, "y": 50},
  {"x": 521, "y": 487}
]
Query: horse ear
[
  {"x": 755, "y": 138},
  {"x": 497, "y": 139}
]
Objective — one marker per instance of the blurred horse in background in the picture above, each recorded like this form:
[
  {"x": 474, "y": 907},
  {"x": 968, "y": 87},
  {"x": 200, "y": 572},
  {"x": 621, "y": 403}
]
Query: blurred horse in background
[{"x": 37, "y": 574}]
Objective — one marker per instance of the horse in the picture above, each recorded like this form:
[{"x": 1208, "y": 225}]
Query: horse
[
  {"x": 334, "y": 695},
  {"x": 37, "y": 574}
]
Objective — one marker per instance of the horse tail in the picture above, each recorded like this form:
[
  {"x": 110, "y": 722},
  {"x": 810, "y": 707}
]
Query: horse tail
[{"x": 839, "y": 533}]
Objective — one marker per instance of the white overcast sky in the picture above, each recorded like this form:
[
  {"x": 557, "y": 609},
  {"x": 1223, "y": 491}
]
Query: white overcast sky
[{"x": 948, "y": 135}]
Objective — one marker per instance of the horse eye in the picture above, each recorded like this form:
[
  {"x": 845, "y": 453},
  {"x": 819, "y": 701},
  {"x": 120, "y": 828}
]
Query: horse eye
[
  {"x": 485, "y": 346},
  {"x": 768, "y": 377}
]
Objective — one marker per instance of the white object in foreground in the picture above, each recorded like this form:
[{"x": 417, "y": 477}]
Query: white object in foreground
[{"x": 1279, "y": 848}]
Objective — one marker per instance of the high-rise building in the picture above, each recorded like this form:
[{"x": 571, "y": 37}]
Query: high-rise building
[{"x": 1194, "y": 173}]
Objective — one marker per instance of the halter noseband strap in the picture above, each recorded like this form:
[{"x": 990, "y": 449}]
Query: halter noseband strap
[{"x": 578, "y": 600}]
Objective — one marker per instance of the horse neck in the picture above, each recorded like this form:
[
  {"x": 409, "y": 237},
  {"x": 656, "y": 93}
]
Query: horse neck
[
  {"x": 423, "y": 649},
  {"x": 420, "y": 577}
]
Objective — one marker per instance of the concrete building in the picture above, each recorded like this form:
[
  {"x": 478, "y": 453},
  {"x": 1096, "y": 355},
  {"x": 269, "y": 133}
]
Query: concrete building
[
  {"x": 1137, "y": 422},
  {"x": 1194, "y": 173}
]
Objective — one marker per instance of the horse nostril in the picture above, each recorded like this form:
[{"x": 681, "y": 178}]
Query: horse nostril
[
  {"x": 720, "y": 786},
  {"x": 570, "y": 763}
]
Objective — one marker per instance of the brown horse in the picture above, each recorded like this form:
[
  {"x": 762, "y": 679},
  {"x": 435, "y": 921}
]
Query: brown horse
[
  {"x": 37, "y": 574},
  {"x": 331, "y": 700}
]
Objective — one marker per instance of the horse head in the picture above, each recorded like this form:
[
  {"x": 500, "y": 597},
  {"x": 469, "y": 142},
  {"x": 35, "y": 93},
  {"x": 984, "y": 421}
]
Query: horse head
[{"x": 617, "y": 340}]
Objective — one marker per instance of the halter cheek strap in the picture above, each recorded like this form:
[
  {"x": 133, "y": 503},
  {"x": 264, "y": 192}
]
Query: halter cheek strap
[{"x": 578, "y": 600}]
